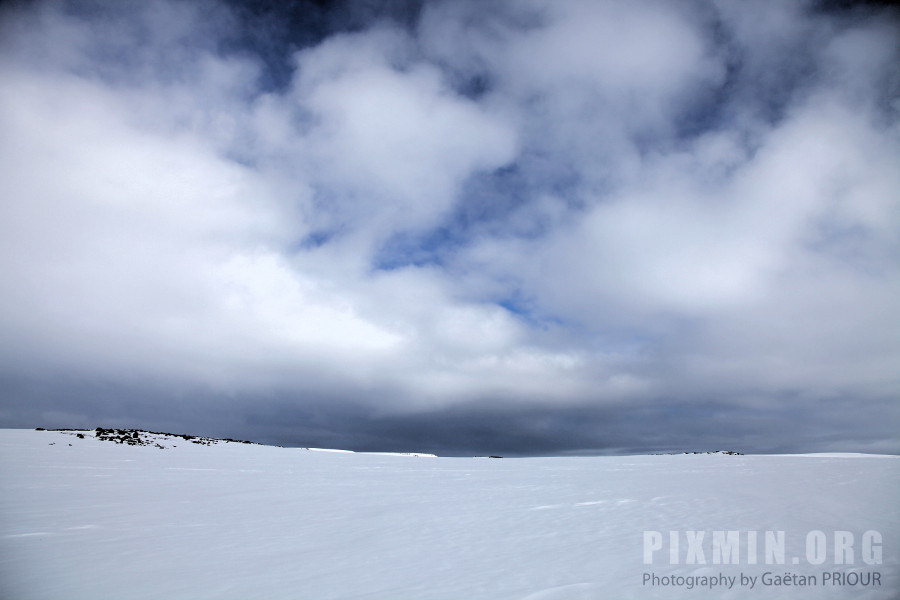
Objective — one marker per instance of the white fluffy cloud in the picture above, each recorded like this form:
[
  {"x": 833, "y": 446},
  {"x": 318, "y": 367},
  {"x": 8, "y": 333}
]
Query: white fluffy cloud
[{"x": 542, "y": 204}]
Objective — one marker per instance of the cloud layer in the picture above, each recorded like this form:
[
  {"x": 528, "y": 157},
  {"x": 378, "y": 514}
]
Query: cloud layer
[{"x": 456, "y": 226}]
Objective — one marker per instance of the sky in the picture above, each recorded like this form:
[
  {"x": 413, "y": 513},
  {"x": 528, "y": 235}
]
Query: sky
[{"x": 465, "y": 227}]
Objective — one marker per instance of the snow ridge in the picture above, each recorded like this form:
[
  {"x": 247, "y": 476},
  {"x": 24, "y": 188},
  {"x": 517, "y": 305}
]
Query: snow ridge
[{"x": 162, "y": 440}]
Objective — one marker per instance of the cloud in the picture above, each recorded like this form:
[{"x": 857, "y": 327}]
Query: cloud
[
  {"x": 535, "y": 227},
  {"x": 392, "y": 137}
]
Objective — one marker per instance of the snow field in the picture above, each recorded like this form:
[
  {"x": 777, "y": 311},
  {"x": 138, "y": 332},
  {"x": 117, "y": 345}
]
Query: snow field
[{"x": 98, "y": 519}]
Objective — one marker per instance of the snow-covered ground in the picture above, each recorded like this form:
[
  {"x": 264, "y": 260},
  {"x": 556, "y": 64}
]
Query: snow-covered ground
[{"x": 86, "y": 518}]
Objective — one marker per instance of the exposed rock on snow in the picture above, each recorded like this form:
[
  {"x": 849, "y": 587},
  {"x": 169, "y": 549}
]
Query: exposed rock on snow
[{"x": 139, "y": 437}]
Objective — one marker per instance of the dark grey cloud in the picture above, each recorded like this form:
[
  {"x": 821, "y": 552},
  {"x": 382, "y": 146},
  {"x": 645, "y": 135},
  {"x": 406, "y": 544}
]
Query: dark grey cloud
[
  {"x": 463, "y": 227},
  {"x": 483, "y": 428}
]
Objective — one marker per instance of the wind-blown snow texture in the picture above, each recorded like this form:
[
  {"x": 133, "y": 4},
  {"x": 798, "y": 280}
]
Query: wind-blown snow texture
[{"x": 87, "y": 518}]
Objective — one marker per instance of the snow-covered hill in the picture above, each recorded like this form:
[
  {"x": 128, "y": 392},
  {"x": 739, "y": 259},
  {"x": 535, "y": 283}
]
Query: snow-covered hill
[{"x": 182, "y": 517}]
